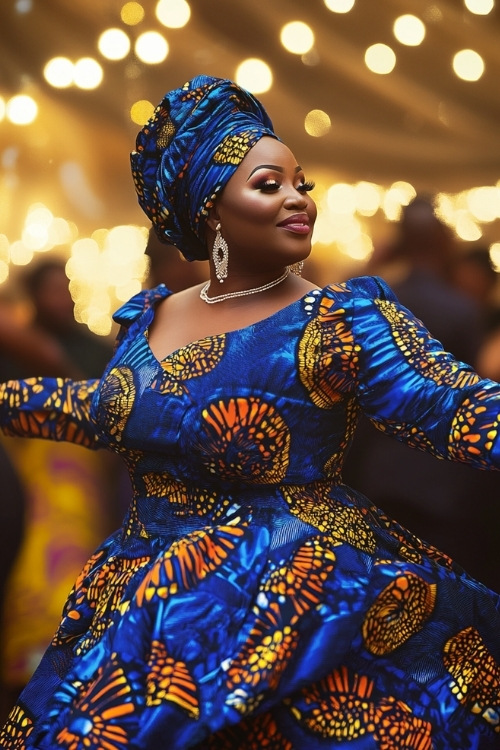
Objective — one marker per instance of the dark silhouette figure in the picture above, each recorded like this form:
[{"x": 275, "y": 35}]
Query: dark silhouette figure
[{"x": 442, "y": 502}]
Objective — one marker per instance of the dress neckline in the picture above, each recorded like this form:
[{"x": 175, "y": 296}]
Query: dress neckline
[{"x": 314, "y": 293}]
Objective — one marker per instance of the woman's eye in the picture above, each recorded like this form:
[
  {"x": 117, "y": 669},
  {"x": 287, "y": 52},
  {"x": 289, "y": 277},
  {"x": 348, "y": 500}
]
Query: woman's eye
[
  {"x": 306, "y": 187},
  {"x": 269, "y": 185}
]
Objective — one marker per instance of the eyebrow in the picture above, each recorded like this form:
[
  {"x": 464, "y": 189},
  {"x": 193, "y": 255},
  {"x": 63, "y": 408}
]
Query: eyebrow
[{"x": 298, "y": 168}]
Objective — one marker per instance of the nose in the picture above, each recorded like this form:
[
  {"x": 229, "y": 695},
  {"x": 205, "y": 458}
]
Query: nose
[{"x": 295, "y": 199}]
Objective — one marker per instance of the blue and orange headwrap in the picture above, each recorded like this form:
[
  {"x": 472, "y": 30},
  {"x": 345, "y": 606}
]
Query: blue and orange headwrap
[{"x": 186, "y": 153}]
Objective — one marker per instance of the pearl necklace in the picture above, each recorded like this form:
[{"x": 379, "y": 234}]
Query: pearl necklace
[{"x": 243, "y": 292}]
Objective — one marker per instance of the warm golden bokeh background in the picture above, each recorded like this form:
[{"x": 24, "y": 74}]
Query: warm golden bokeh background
[{"x": 372, "y": 125}]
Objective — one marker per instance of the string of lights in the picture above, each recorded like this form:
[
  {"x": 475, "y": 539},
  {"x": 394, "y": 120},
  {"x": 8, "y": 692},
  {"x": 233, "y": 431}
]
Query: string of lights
[{"x": 107, "y": 264}]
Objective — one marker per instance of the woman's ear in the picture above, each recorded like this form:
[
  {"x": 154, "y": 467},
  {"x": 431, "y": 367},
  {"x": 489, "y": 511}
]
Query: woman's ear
[{"x": 213, "y": 219}]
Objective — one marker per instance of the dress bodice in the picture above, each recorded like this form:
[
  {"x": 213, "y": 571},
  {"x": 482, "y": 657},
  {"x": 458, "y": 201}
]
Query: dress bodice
[
  {"x": 231, "y": 407},
  {"x": 274, "y": 405}
]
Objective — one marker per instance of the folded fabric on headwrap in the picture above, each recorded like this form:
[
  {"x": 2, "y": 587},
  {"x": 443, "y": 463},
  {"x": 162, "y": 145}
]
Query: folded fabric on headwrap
[{"x": 186, "y": 153}]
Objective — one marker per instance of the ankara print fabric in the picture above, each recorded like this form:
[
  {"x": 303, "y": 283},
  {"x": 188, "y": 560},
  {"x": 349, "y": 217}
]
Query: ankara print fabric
[{"x": 251, "y": 599}]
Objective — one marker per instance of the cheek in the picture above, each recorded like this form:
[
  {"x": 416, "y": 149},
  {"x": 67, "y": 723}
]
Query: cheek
[
  {"x": 255, "y": 207},
  {"x": 312, "y": 210},
  {"x": 249, "y": 216}
]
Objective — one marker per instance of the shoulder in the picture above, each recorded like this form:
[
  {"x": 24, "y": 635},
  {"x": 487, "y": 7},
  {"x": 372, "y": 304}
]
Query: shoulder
[
  {"x": 139, "y": 303},
  {"x": 360, "y": 287}
]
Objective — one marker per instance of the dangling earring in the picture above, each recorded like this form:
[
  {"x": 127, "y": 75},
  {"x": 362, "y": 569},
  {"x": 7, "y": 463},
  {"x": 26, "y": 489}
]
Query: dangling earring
[
  {"x": 220, "y": 255},
  {"x": 296, "y": 268}
]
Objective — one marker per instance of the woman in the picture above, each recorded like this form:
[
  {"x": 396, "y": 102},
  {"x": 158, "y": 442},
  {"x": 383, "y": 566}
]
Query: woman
[{"x": 251, "y": 599}]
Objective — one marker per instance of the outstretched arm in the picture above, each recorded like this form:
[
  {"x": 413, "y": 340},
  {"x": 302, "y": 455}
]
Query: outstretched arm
[
  {"x": 52, "y": 408},
  {"x": 414, "y": 390},
  {"x": 403, "y": 379}
]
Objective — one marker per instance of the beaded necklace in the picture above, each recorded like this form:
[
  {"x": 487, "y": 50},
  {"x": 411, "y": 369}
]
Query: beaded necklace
[{"x": 243, "y": 292}]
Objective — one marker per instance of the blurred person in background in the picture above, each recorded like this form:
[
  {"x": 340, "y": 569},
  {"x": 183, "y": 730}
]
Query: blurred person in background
[
  {"x": 435, "y": 499},
  {"x": 71, "y": 496},
  {"x": 171, "y": 268},
  {"x": 32, "y": 351},
  {"x": 473, "y": 274},
  {"x": 47, "y": 288}
]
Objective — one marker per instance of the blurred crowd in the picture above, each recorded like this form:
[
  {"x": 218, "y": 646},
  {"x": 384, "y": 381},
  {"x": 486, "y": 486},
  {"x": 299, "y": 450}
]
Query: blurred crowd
[
  {"x": 60, "y": 500},
  {"x": 453, "y": 289}
]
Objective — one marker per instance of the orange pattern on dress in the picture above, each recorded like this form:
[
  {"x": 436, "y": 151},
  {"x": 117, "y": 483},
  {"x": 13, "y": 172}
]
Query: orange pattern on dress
[
  {"x": 190, "y": 361},
  {"x": 465, "y": 439},
  {"x": 101, "y": 714},
  {"x": 62, "y": 414},
  {"x": 327, "y": 341},
  {"x": 188, "y": 561},
  {"x": 410, "y": 341},
  {"x": 118, "y": 394},
  {"x": 312, "y": 504},
  {"x": 398, "y": 612},
  {"x": 475, "y": 675},
  {"x": 247, "y": 438},
  {"x": 186, "y": 500},
  {"x": 170, "y": 680},
  {"x": 342, "y": 706},
  {"x": 16, "y": 729}
]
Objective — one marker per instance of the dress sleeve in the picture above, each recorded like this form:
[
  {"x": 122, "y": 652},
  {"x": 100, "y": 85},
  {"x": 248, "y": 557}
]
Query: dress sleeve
[
  {"x": 51, "y": 408},
  {"x": 410, "y": 387},
  {"x": 59, "y": 408}
]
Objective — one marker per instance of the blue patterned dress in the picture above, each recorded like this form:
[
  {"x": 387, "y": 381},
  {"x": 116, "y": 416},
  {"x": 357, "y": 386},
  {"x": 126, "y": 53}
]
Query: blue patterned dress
[{"x": 251, "y": 599}]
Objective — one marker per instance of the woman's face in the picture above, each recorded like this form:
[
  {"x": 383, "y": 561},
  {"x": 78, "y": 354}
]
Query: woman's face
[{"x": 265, "y": 210}]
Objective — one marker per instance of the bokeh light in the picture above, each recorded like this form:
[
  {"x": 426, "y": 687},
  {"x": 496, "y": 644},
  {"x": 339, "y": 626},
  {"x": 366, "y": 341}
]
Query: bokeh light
[
  {"x": 173, "y": 14},
  {"x": 368, "y": 198},
  {"x": 88, "y": 74},
  {"x": 114, "y": 44},
  {"x": 151, "y": 47},
  {"x": 380, "y": 58},
  {"x": 480, "y": 7},
  {"x": 409, "y": 30},
  {"x": 4, "y": 248},
  {"x": 484, "y": 203},
  {"x": 21, "y": 109},
  {"x": 20, "y": 255},
  {"x": 297, "y": 37},
  {"x": 254, "y": 75},
  {"x": 110, "y": 265},
  {"x": 141, "y": 111},
  {"x": 132, "y": 13},
  {"x": 468, "y": 65},
  {"x": 466, "y": 228},
  {"x": 339, "y": 6},
  {"x": 317, "y": 123},
  {"x": 23, "y": 6},
  {"x": 59, "y": 72},
  {"x": 495, "y": 256},
  {"x": 341, "y": 198}
]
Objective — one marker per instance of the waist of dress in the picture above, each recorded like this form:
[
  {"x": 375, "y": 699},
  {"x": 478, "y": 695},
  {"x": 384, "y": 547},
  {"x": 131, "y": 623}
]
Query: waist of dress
[{"x": 189, "y": 506}]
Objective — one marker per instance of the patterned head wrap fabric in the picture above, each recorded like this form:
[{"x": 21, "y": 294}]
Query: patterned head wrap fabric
[{"x": 186, "y": 153}]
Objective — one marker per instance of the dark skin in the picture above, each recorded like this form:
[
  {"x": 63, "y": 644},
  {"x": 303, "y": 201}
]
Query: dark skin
[{"x": 266, "y": 216}]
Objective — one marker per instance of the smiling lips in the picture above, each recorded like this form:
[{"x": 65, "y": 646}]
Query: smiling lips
[{"x": 298, "y": 223}]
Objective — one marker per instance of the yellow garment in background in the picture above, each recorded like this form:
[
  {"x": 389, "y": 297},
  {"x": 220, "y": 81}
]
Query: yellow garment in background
[{"x": 66, "y": 519}]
